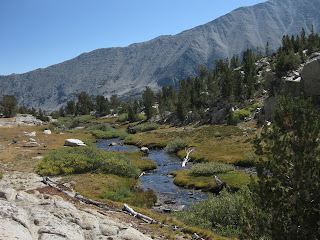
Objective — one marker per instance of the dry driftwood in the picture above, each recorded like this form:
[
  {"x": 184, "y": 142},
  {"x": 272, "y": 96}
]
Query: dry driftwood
[
  {"x": 126, "y": 208},
  {"x": 186, "y": 159}
]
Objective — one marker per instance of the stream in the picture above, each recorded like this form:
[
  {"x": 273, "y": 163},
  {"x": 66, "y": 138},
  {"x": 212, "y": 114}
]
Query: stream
[{"x": 169, "y": 195}]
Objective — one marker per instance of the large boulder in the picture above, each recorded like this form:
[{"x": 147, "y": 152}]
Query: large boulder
[
  {"x": 74, "y": 142},
  {"x": 311, "y": 77}
]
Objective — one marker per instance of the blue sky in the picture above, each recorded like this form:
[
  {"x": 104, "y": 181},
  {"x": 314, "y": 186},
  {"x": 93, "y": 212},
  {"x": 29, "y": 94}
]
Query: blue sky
[{"x": 39, "y": 33}]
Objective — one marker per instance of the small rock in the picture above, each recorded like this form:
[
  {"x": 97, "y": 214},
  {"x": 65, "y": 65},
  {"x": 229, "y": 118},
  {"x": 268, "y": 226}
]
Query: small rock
[
  {"x": 47, "y": 131},
  {"x": 74, "y": 142},
  {"x": 170, "y": 202},
  {"x": 144, "y": 150}
]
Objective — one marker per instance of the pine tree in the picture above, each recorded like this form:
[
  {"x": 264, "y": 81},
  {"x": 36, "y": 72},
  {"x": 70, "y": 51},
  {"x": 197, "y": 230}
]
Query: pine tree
[
  {"x": 287, "y": 191},
  {"x": 250, "y": 71},
  {"x": 84, "y": 104},
  {"x": 70, "y": 109},
  {"x": 148, "y": 100},
  {"x": 9, "y": 104},
  {"x": 267, "y": 50}
]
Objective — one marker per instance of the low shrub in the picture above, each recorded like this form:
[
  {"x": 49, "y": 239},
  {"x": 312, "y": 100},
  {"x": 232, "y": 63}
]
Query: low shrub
[
  {"x": 176, "y": 145},
  {"x": 123, "y": 117},
  {"x": 146, "y": 127},
  {"x": 71, "y": 160},
  {"x": 241, "y": 114},
  {"x": 109, "y": 134},
  {"x": 83, "y": 118},
  {"x": 1, "y": 176},
  {"x": 210, "y": 169},
  {"x": 102, "y": 127},
  {"x": 221, "y": 214},
  {"x": 141, "y": 117}
]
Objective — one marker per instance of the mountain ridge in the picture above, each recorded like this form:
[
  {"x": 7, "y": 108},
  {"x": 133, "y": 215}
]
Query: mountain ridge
[{"x": 165, "y": 59}]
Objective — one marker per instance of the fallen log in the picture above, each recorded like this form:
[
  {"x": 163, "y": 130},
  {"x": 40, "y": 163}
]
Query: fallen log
[
  {"x": 138, "y": 215},
  {"x": 126, "y": 208}
]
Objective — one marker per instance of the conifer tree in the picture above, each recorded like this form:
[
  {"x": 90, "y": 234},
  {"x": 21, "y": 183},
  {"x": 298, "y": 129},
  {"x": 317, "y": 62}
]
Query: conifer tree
[
  {"x": 250, "y": 71},
  {"x": 148, "y": 100},
  {"x": 70, "y": 109},
  {"x": 9, "y": 104},
  {"x": 84, "y": 104},
  {"x": 287, "y": 190}
]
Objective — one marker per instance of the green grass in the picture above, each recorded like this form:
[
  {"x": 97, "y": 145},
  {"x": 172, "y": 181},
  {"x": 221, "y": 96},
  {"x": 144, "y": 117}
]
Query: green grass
[
  {"x": 146, "y": 127},
  {"x": 109, "y": 134},
  {"x": 1, "y": 175},
  {"x": 176, "y": 145},
  {"x": 221, "y": 214},
  {"x": 70, "y": 160},
  {"x": 210, "y": 169},
  {"x": 144, "y": 164},
  {"x": 213, "y": 143},
  {"x": 101, "y": 126},
  {"x": 123, "y": 117},
  {"x": 234, "y": 179}
]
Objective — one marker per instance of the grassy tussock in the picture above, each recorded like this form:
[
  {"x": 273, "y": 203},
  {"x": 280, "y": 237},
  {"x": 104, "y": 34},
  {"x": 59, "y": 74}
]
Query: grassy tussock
[
  {"x": 71, "y": 160},
  {"x": 146, "y": 127},
  {"x": 210, "y": 169},
  {"x": 109, "y": 134},
  {"x": 176, "y": 145},
  {"x": 144, "y": 164},
  {"x": 234, "y": 179}
]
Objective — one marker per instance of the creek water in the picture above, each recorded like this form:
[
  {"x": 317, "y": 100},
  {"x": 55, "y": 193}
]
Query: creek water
[{"x": 159, "y": 179}]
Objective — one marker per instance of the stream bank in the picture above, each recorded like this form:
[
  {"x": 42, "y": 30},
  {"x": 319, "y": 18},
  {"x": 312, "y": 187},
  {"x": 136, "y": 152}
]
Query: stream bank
[{"x": 160, "y": 180}]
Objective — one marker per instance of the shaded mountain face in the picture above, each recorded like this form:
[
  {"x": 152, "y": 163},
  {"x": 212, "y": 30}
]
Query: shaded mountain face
[{"x": 165, "y": 59}]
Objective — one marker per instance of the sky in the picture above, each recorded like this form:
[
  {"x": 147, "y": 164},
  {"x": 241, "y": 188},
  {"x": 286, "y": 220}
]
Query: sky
[{"x": 39, "y": 33}]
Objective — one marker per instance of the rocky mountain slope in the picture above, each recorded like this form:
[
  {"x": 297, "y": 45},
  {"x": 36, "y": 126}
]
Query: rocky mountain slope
[{"x": 163, "y": 60}]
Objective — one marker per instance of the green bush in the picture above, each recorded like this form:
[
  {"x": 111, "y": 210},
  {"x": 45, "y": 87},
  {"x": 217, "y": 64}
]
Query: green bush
[
  {"x": 1, "y": 176},
  {"x": 83, "y": 118},
  {"x": 210, "y": 169},
  {"x": 123, "y": 117},
  {"x": 146, "y": 127},
  {"x": 241, "y": 114},
  {"x": 102, "y": 127},
  {"x": 221, "y": 214},
  {"x": 175, "y": 145},
  {"x": 141, "y": 117},
  {"x": 71, "y": 160},
  {"x": 110, "y": 134}
]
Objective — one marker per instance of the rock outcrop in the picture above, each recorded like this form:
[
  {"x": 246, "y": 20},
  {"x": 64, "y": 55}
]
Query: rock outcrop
[
  {"x": 26, "y": 216},
  {"x": 311, "y": 77}
]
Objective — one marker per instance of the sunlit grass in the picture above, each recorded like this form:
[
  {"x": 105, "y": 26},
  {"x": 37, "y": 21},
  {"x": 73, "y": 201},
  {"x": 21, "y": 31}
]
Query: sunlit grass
[
  {"x": 211, "y": 143},
  {"x": 234, "y": 179}
]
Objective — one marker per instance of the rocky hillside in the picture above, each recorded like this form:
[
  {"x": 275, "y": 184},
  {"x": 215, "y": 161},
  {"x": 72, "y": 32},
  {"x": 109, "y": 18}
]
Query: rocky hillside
[{"x": 163, "y": 60}]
